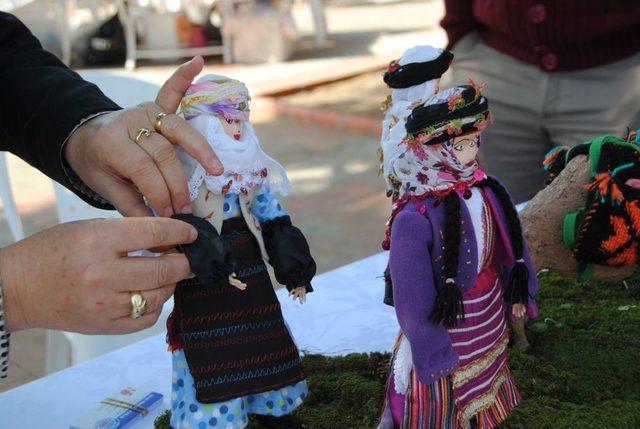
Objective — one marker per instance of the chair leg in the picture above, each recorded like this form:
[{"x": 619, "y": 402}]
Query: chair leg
[
  {"x": 6, "y": 195},
  {"x": 319, "y": 22},
  {"x": 58, "y": 351},
  {"x": 124, "y": 13}
]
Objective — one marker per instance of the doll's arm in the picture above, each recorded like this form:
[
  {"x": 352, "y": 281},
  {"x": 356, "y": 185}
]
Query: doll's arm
[
  {"x": 286, "y": 246},
  {"x": 414, "y": 295},
  {"x": 289, "y": 254},
  {"x": 209, "y": 256}
]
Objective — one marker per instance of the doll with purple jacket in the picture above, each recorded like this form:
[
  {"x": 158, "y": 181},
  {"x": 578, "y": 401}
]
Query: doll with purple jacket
[{"x": 459, "y": 268}]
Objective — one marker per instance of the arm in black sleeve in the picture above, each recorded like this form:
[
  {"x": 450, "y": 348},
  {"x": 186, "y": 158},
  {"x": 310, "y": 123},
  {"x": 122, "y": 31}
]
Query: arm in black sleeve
[
  {"x": 289, "y": 253},
  {"x": 209, "y": 256},
  {"x": 41, "y": 102}
]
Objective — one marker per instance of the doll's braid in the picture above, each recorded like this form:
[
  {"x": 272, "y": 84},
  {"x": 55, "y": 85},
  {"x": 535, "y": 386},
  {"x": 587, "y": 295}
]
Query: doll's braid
[
  {"x": 449, "y": 304},
  {"x": 517, "y": 290}
]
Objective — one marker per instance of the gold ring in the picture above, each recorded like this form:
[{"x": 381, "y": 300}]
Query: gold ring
[
  {"x": 158, "y": 122},
  {"x": 138, "y": 305},
  {"x": 142, "y": 132}
]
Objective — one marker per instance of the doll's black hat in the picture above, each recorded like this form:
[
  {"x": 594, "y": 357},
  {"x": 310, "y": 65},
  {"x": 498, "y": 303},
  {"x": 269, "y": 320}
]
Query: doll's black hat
[
  {"x": 405, "y": 76},
  {"x": 452, "y": 112}
]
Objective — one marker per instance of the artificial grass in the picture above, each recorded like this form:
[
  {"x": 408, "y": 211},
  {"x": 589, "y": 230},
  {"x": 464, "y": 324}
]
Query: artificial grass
[{"x": 583, "y": 373}]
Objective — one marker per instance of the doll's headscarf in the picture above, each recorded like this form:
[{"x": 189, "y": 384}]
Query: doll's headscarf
[
  {"x": 247, "y": 167},
  {"x": 413, "y": 78},
  {"x": 427, "y": 164},
  {"x": 216, "y": 95}
]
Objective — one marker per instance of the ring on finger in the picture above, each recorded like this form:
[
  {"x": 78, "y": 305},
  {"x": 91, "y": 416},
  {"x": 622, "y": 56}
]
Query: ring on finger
[
  {"x": 138, "y": 305},
  {"x": 142, "y": 132},
  {"x": 158, "y": 122}
]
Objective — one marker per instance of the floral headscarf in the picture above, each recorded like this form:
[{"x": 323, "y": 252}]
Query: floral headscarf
[{"x": 428, "y": 165}]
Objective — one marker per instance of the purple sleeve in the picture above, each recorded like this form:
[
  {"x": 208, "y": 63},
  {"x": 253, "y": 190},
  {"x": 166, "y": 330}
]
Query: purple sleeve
[{"x": 414, "y": 295}]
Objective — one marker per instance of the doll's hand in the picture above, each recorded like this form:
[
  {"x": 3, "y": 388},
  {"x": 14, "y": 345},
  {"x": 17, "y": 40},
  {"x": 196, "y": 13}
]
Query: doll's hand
[
  {"x": 233, "y": 281},
  {"x": 299, "y": 293},
  {"x": 104, "y": 154},
  {"x": 518, "y": 310}
]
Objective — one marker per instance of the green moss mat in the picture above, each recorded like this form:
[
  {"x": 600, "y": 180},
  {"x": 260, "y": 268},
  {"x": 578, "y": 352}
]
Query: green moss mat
[{"x": 584, "y": 372}]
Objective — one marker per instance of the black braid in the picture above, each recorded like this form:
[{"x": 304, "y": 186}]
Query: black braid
[
  {"x": 449, "y": 303},
  {"x": 451, "y": 235},
  {"x": 517, "y": 291}
]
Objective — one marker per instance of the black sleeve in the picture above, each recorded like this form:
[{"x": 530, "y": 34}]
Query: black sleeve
[
  {"x": 209, "y": 256},
  {"x": 41, "y": 101},
  {"x": 288, "y": 253}
]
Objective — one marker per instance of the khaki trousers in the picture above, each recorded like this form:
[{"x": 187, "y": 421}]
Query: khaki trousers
[{"x": 535, "y": 110}]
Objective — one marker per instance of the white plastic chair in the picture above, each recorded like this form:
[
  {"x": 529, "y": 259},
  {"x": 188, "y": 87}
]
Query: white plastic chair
[{"x": 68, "y": 348}]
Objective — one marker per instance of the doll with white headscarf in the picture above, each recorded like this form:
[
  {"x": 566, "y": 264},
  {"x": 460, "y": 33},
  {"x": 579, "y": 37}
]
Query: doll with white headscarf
[
  {"x": 232, "y": 353},
  {"x": 413, "y": 79},
  {"x": 459, "y": 268}
]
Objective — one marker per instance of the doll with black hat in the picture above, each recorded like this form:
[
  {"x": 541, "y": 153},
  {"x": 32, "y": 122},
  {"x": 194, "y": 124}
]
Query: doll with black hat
[{"x": 459, "y": 268}]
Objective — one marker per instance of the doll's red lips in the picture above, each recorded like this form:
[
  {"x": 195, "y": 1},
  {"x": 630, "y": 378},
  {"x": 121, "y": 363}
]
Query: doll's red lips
[{"x": 236, "y": 136}]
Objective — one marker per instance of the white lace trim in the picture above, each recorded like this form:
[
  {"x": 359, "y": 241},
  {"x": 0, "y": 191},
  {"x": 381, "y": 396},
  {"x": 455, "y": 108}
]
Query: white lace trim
[
  {"x": 402, "y": 366},
  {"x": 229, "y": 182}
]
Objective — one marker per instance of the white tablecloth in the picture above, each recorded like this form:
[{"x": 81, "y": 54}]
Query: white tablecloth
[{"x": 345, "y": 314}]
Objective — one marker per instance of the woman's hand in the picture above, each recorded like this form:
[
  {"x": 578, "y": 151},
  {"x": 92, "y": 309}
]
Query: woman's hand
[
  {"x": 103, "y": 152},
  {"x": 77, "y": 276},
  {"x": 299, "y": 293}
]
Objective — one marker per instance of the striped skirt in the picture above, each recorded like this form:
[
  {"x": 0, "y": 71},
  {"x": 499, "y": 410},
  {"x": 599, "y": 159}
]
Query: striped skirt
[{"x": 481, "y": 389}]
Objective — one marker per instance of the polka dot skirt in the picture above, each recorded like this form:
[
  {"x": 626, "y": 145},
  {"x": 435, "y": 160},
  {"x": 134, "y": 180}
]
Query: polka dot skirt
[
  {"x": 4, "y": 342},
  {"x": 188, "y": 413}
]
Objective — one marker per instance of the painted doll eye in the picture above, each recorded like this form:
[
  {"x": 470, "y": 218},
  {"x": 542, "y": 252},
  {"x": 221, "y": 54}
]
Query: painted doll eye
[
  {"x": 229, "y": 121},
  {"x": 459, "y": 147}
]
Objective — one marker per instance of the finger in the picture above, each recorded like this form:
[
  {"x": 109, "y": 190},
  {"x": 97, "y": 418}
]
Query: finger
[
  {"x": 166, "y": 158},
  {"x": 129, "y": 234},
  {"x": 180, "y": 133},
  {"x": 141, "y": 169},
  {"x": 155, "y": 300},
  {"x": 148, "y": 273},
  {"x": 174, "y": 88},
  {"x": 126, "y": 324},
  {"x": 126, "y": 198}
]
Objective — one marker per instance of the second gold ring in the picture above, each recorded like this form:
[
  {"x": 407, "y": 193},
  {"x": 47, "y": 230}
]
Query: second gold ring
[{"x": 158, "y": 122}]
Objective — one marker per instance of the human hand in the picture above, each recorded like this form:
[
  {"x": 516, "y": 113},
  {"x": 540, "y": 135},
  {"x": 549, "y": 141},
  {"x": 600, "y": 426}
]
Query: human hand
[
  {"x": 77, "y": 276},
  {"x": 299, "y": 293},
  {"x": 518, "y": 310},
  {"x": 233, "y": 281},
  {"x": 103, "y": 152}
]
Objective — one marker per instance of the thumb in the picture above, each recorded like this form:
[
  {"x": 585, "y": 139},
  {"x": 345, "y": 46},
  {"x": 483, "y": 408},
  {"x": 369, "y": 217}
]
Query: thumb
[{"x": 174, "y": 88}]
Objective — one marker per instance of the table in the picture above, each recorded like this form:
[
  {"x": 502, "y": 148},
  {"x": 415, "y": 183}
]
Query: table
[{"x": 344, "y": 315}]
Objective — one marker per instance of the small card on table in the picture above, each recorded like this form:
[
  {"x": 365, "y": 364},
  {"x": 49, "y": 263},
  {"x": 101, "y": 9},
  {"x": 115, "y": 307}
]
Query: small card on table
[{"x": 121, "y": 410}]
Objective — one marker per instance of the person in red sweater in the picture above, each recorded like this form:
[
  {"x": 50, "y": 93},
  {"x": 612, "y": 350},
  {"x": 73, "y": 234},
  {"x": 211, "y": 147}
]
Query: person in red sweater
[{"x": 558, "y": 73}]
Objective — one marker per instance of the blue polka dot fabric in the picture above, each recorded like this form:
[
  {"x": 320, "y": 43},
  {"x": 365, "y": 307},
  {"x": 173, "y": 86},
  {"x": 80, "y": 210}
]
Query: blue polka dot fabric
[
  {"x": 265, "y": 206},
  {"x": 188, "y": 413}
]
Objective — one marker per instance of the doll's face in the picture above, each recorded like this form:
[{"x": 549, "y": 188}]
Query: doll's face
[
  {"x": 465, "y": 148},
  {"x": 232, "y": 127}
]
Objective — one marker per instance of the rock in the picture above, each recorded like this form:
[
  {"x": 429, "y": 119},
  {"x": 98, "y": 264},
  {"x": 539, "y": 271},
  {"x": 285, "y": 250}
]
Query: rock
[{"x": 543, "y": 217}]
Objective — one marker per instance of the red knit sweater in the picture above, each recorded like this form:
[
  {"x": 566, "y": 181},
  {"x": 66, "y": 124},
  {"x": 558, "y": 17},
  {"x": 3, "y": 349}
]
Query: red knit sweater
[{"x": 556, "y": 35}]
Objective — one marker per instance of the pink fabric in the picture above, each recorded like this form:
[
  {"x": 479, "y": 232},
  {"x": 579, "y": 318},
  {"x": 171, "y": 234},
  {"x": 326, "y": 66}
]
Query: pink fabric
[
  {"x": 396, "y": 401},
  {"x": 484, "y": 327}
]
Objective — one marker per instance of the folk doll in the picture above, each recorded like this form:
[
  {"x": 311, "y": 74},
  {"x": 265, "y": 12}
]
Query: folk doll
[
  {"x": 413, "y": 79},
  {"x": 459, "y": 267},
  {"x": 232, "y": 353}
]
